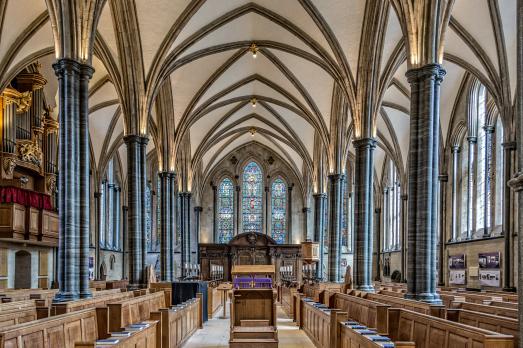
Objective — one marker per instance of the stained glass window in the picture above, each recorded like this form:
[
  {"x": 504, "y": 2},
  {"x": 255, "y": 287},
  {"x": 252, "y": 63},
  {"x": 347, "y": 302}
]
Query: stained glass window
[
  {"x": 252, "y": 198},
  {"x": 225, "y": 211},
  {"x": 279, "y": 210}
]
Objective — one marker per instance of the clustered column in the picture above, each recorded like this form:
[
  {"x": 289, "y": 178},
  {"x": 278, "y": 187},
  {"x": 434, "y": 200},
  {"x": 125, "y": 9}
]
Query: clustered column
[
  {"x": 423, "y": 182},
  {"x": 166, "y": 227},
  {"x": 443, "y": 179},
  {"x": 335, "y": 196},
  {"x": 136, "y": 146},
  {"x": 197, "y": 214},
  {"x": 185, "y": 209},
  {"x": 455, "y": 173},
  {"x": 74, "y": 198},
  {"x": 320, "y": 200},
  {"x": 508, "y": 148},
  {"x": 363, "y": 198},
  {"x": 289, "y": 214},
  {"x": 489, "y": 130},
  {"x": 306, "y": 211},
  {"x": 215, "y": 214}
]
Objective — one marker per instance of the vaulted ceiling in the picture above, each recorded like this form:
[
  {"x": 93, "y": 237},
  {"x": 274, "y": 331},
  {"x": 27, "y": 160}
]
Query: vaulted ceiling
[{"x": 221, "y": 97}]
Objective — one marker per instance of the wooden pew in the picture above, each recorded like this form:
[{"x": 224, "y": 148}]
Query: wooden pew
[
  {"x": 179, "y": 323},
  {"x": 503, "y": 325},
  {"x": 117, "y": 284},
  {"x": 416, "y": 306},
  {"x": 132, "y": 310},
  {"x": 513, "y": 305},
  {"x": 287, "y": 301},
  {"x": 314, "y": 291},
  {"x": 166, "y": 287},
  {"x": 145, "y": 338},
  {"x": 99, "y": 301},
  {"x": 316, "y": 324},
  {"x": 367, "y": 312},
  {"x": 428, "y": 331},
  {"x": 499, "y": 311},
  {"x": 59, "y": 331}
]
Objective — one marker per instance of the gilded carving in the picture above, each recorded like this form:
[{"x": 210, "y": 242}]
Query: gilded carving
[
  {"x": 24, "y": 103},
  {"x": 51, "y": 183},
  {"x": 30, "y": 152}
]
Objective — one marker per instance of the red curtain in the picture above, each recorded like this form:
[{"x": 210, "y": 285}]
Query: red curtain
[{"x": 25, "y": 197}]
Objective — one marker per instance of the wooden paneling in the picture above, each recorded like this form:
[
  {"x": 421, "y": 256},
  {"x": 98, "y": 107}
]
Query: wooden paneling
[
  {"x": 146, "y": 338},
  {"x": 133, "y": 310},
  {"x": 3, "y": 261},
  {"x": 43, "y": 265},
  {"x": 178, "y": 325}
]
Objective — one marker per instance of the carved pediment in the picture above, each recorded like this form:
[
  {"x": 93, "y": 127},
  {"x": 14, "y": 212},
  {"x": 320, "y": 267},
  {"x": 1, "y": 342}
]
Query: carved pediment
[{"x": 252, "y": 239}]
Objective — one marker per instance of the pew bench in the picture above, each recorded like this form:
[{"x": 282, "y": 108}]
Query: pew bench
[
  {"x": 58, "y": 331},
  {"x": 99, "y": 301},
  {"x": 179, "y": 322},
  {"x": 146, "y": 338},
  {"x": 503, "y": 325},
  {"x": 476, "y": 307},
  {"x": 132, "y": 310},
  {"x": 416, "y": 306},
  {"x": 428, "y": 331}
]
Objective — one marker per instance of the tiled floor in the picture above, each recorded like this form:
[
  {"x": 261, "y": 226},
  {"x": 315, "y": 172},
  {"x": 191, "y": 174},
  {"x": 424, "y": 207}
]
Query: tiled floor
[{"x": 215, "y": 334}]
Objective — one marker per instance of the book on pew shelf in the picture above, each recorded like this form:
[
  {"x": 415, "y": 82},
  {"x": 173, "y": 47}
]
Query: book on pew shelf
[
  {"x": 365, "y": 332},
  {"x": 386, "y": 344},
  {"x": 134, "y": 329},
  {"x": 357, "y": 327},
  {"x": 378, "y": 338},
  {"x": 351, "y": 322},
  {"x": 142, "y": 325},
  {"x": 107, "y": 341},
  {"x": 120, "y": 334}
]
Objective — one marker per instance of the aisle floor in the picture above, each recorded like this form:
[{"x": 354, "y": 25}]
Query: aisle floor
[{"x": 215, "y": 333}]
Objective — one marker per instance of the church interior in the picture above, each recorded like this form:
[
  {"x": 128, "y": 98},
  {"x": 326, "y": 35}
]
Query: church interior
[{"x": 261, "y": 173}]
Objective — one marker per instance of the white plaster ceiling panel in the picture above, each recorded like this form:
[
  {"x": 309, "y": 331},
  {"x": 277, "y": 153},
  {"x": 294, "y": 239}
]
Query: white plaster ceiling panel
[
  {"x": 203, "y": 125},
  {"x": 474, "y": 16},
  {"x": 18, "y": 16},
  {"x": 150, "y": 146},
  {"x": 256, "y": 88},
  {"x": 400, "y": 75},
  {"x": 253, "y": 28},
  {"x": 105, "y": 93},
  {"x": 259, "y": 124},
  {"x": 51, "y": 87},
  {"x": 122, "y": 151},
  {"x": 99, "y": 71},
  {"x": 394, "y": 95},
  {"x": 383, "y": 129},
  {"x": 155, "y": 18},
  {"x": 401, "y": 125},
  {"x": 42, "y": 39},
  {"x": 314, "y": 79},
  {"x": 449, "y": 90},
  {"x": 118, "y": 129},
  {"x": 379, "y": 158},
  {"x": 214, "y": 150},
  {"x": 106, "y": 29},
  {"x": 292, "y": 155},
  {"x": 345, "y": 18},
  {"x": 247, "y": 66},
  {"x": 188, "y": 79},
  {"x": 393, "y": 36},
  {"x": 455, "y": 45},
  {"x": 302, "y": 128},
  {"x": 508, "y": 12},
  {"x": 99, "y": 126}
]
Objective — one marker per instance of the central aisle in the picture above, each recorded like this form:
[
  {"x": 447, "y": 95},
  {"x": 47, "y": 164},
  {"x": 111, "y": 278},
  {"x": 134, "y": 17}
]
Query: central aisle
[{"x": 215, "y": 333}]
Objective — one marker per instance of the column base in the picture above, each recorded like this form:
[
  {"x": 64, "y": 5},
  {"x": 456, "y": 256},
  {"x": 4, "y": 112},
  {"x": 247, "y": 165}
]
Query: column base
[
  {"x": 63, "y": 296},
  {"x": 510, "y": 289},
  {"x": 431, "y": 298},
  {"x": 86, "y": 294},
  {"x": 366, "y": 288},
  {"x": 131, "y": 287}
]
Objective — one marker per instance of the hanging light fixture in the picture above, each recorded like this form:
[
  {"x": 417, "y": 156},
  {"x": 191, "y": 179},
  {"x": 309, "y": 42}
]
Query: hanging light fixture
[
  {"x": 253, "y": 102},
  {"x": 252, "y": 131},
  {"x": 254, "y": 50}
]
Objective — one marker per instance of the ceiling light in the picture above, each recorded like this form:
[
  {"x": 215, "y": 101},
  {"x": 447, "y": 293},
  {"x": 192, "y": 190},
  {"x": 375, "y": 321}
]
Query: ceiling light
[
  {"x": 254, "y": 50},
  {"x": 252, "y": 131},
  {"x": 253, "y": 102}
]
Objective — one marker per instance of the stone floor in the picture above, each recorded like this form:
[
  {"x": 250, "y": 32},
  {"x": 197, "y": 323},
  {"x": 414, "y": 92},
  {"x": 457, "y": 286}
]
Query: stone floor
[{"x": 215, "y": 334}]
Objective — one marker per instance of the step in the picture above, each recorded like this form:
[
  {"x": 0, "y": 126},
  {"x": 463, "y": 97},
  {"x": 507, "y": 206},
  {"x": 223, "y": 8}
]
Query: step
[{"x": 253, "y": 343}]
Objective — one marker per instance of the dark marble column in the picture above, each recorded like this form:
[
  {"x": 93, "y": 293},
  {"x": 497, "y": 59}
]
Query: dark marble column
[
  {"x": 470, "y": 185},
  {"x": 489, "y": 131},
  {"x": 508, "y": 147},
  {"x": 116, "y": 215},
  {"x": 166, "y": 266},
  {"x": 183, "y": 232},
  {"x": 306, "y": 211},
  {"x": 135, "y": 201},
  {"x": 197, "y": 215},
  {"x": 125, "y": 211},
  {"x": 172, "y": 220},
  {"x": 443, "y": 179},
  {"x": 386, "y": 219},
  {"x": 289, "y": 213},
  {"x": 363, "y": 203},
  {"x": 404, "y": 218},
  {"x": 97, "y": 202},
  {"x": 109, "y": 232},
  {"x": 215, "y": 214},
  {"x": 455, "y": 174},
  {"x": 335, "y": 196},
  {"x": 188, "y": 196},
  {"x": 237, "y": 208},
  {"x": 320, "y": 200},
  {"x": 143, "y": 173},
  {"x": 423, "y": 182},
  {"x": 267, "y": 219},
  {"x": 70, "y": 241},
  {"x": 378, "y": 225}
]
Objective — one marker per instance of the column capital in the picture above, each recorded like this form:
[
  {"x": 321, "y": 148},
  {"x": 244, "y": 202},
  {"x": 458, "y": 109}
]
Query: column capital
[
  {"x": 404, "y": 197},
  {"x": 66, "y": 65},
  {"x": 166, "y": 174},
  {"x": 377, "y": 210},
  {"x": 135, "y": 138},
  {"x": 238, "y": 188},
  {"x": 198, "y": 209},
  {"x": 455, "y": 149},
  {"x": 291, "y": 186},
  {"x": 516, "y": 183},
  {"x": 320, "y": 195},
  {"x": 97, "y": 194},
  {"x": 335, "y": 177},
  {"x": 110, "y": 185},
  {"x": 306, "y": 210},
  {"x": 489, "y": 128},
  {"x": 426, "y": 72},
  {"x": 472, "y": 139},
  {"x": 364, "y": 142},
  {"x": 125, "y": 208}
]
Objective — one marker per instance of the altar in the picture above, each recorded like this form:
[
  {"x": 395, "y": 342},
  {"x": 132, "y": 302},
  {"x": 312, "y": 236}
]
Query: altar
[{"x": 250, "y": 249}]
